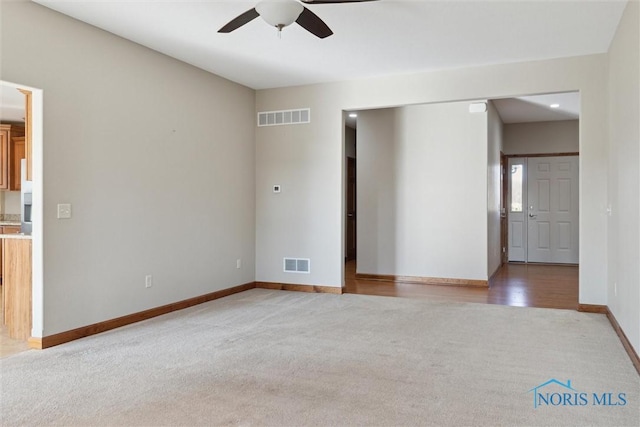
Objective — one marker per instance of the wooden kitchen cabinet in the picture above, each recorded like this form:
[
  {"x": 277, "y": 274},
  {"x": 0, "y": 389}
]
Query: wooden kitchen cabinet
[
  {"x": 16, "y": 285},
  {"x": 8, "y": 135}
]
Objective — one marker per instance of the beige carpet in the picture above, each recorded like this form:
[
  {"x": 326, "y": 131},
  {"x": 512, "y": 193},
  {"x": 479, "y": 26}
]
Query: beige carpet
[{"x": 282, "y": 358}]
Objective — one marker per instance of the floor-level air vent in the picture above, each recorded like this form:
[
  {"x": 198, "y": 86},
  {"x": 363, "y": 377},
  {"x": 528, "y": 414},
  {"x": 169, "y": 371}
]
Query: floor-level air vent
[
  {"x": 285, "y": 117},
  {"x": 297, "y": 265}
]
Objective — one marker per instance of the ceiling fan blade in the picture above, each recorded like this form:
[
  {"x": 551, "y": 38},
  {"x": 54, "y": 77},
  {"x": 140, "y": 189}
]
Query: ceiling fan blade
[
  {"x": 333, "y": 1},
  {"x": 312, "y": 23},
  {"x": 238, "y": 22}
]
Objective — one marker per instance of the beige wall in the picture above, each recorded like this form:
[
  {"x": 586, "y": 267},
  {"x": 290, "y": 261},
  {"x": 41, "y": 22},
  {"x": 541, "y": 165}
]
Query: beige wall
[
  {"x": 416, "y": 169},
  {"x": 319, "y": 152},
  {"x": 11, "y": 202},
  {"x": 494, "y": 184},
  {"x": 377, "y": 183},
  {"x": 624, "y": 175},
  {"x": 156, "y": 158},
  {"x": 542, "y": 137}
]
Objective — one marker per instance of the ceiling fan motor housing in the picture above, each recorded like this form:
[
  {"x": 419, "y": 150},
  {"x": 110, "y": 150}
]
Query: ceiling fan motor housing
[{"x": 279, "y": 13}]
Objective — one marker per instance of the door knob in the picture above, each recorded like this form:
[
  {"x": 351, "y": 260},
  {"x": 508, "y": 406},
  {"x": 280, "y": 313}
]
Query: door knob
[{"x": 532, "y": 215}]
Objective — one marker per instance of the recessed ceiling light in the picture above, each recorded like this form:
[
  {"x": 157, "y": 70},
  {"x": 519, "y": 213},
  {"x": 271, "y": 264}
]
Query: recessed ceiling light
[
  {"x": 353, "y": 115},
  {"x": 554, "y": 105}
]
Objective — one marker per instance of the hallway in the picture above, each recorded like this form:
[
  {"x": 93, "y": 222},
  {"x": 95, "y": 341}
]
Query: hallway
[{"x": 521, "y": 285}]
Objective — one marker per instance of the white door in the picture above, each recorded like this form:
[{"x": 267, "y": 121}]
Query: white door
[
  {"x": 552, "y": 209},
  {"x": 516, "y": 206}
]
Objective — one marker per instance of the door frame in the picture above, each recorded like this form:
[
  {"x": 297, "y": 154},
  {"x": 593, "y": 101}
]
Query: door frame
[{"x": 504, "y": 221}]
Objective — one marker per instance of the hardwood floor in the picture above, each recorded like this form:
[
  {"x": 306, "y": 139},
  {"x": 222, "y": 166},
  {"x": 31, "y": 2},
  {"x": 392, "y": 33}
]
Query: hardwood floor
[
  {"x": 522, "y": 285},
  {"x": 8, "y": 345}
]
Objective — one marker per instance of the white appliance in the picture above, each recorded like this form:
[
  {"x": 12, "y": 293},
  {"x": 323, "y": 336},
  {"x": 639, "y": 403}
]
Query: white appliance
[{"x": 25, "y": 199}]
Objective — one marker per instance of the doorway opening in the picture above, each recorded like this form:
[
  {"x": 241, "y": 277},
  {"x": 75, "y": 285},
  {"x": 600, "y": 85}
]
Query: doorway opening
[
  {"x": 540, "y": 178},
  {"x": 350, "y": 193},
  {"x": 519, "y": 127},
  {"x": 21, "y": 107}
]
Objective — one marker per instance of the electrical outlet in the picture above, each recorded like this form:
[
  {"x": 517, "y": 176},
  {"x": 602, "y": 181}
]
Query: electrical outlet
[
  {"x": 148, "y": 281},
  {"x": 64, "y": 211},
  {"x": 238, "y": 263}
]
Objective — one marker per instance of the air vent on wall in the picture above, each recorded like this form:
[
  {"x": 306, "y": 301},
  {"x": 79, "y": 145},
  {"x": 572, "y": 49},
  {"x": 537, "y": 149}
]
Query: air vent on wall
[
  {"x": 297, "y": 265},
  {"x": 285, "y": 117}
]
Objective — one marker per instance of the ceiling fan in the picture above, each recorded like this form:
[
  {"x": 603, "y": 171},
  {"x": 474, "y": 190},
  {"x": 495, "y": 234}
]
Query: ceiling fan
[{"x": 280, "y": 13}]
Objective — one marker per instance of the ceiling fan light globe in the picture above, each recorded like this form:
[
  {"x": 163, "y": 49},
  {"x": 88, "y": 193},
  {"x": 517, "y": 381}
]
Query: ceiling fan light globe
[{"x": 279, "y": 13}]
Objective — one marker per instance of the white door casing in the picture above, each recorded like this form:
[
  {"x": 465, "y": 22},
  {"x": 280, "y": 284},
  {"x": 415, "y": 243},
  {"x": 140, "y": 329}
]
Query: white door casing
[{"x": 552, "y": 209}]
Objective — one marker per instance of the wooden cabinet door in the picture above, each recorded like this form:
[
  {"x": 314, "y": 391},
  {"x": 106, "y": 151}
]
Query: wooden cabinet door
[
  {"x": 7, "y": 133},
  {"x": 4, "y": 159},
  {"x": 28, "y": 105},
  {"x": 17, "y": 287},
  {"x": 15, "y": 168},
  {"x": 7, "y": 229}
]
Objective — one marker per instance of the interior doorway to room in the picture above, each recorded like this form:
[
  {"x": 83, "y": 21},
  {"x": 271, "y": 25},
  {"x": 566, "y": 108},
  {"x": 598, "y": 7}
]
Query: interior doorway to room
[
  {"x": 350, "y": 226},
  {"x": 537, "y": 127},
  {"x": 15, "y": 144},
  {"x": 21, "y": 210},
  {"x": 543, "y": 209},
  {"x": 350, "y": 189},
  {"x": 504, "y": 224}
]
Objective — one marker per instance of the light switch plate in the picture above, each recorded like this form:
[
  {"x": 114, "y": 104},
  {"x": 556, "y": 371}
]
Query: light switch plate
[{"x": 64, "y": 210}]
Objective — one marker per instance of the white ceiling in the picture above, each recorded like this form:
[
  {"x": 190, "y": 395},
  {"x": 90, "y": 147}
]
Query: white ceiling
[
  {"x": 524, "y": 109},
  {"x": 12, "y": 107},
  {"x": 537, "y": 108},
  {"x": 370, "y": 39}
]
